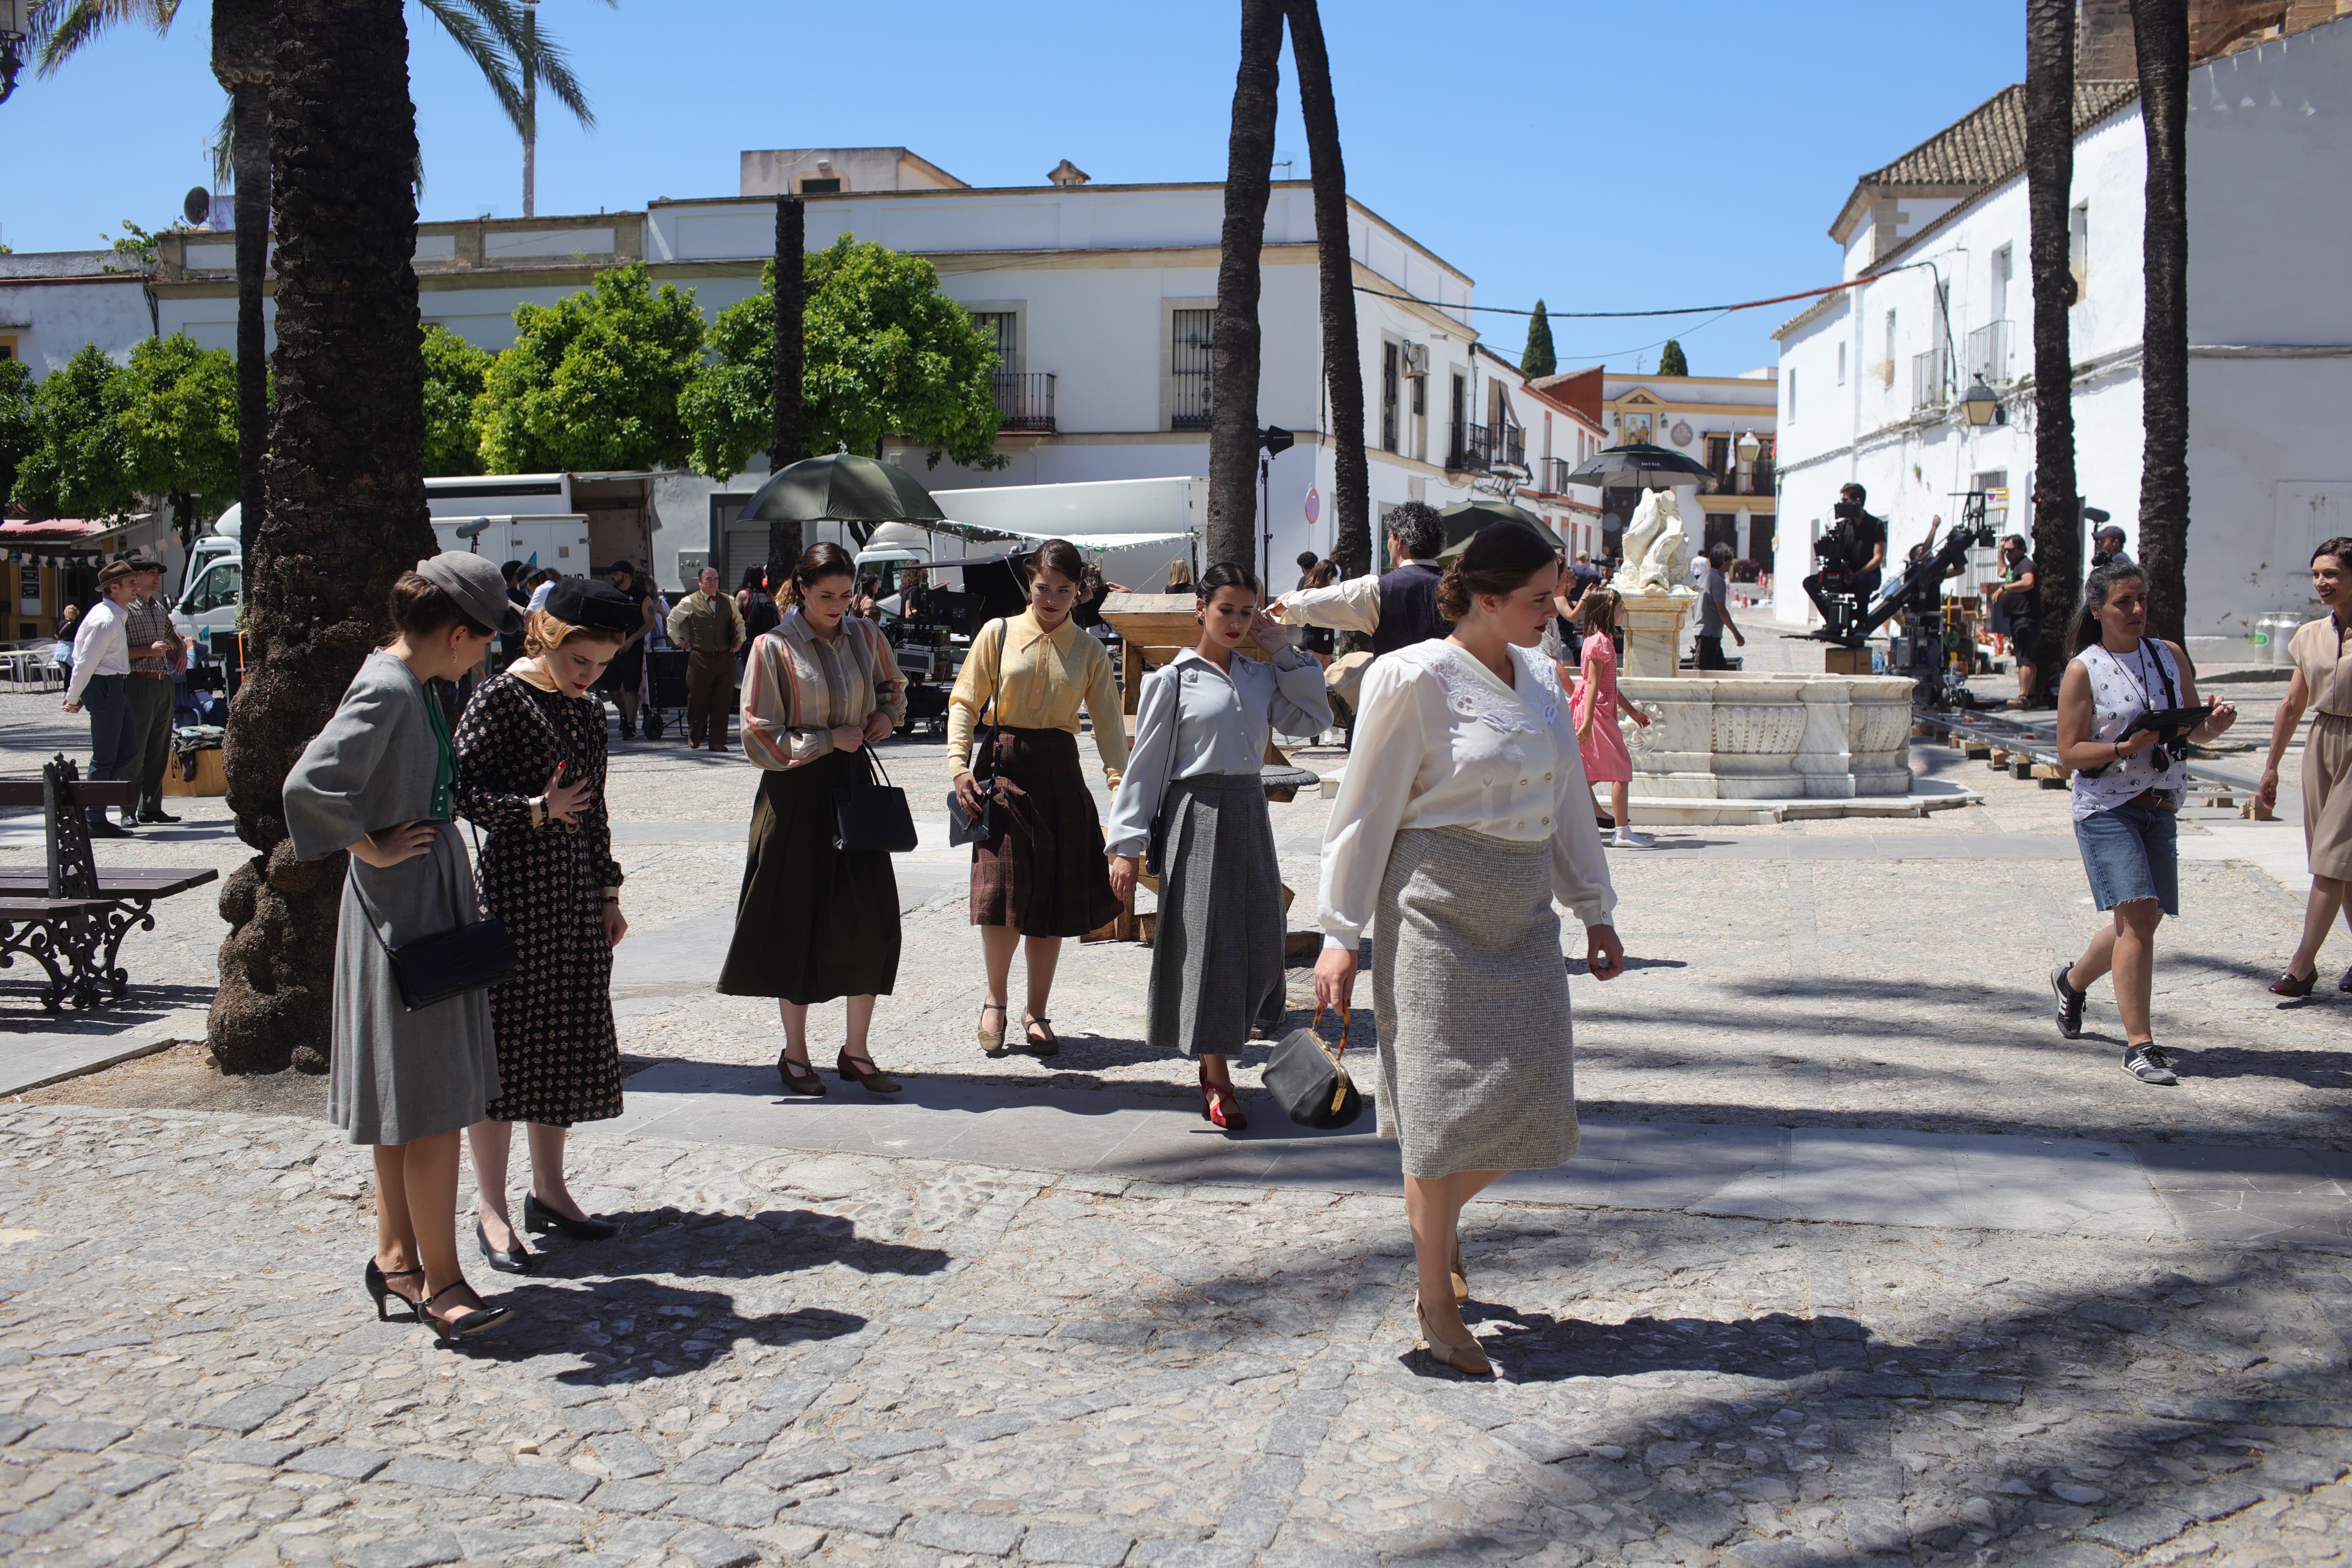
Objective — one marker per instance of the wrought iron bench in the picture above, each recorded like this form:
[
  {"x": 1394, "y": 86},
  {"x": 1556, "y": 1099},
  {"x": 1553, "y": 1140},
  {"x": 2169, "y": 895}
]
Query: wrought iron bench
[{"x": 71, "y": 917}]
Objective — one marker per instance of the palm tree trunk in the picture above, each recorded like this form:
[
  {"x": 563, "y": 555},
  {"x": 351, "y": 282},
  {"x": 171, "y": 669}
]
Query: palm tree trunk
[
  {"x": 788, "y": 444},
  {"x": 1233, "y": 363},
  {"x": 242, "y": 52},
  {"x": 1343, "y": 364},
  {"x": 2049, "y": 186},
  {"x": 345, "y": 473},
  {"x": 2161, "y": 33}
]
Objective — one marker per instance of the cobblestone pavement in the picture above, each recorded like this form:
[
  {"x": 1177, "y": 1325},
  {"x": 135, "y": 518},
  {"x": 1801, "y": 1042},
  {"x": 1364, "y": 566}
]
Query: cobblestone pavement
[{"x": 871, "y": 1361}]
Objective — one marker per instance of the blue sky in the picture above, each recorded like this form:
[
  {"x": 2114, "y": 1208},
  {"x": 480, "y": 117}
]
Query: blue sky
[{"x": 1505, "y": 136}]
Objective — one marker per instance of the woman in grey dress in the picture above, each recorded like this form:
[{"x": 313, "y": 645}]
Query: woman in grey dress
[
  {"x": 1201, "y": 729},
  {"x": 1465, "y": 813},
  {"x": 381, "y": 781}
]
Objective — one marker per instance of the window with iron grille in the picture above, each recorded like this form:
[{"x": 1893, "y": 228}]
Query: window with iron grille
[
  {"x": 1191, "y": 350},
  {"x": 1388, "y": 397},
  {"x": 999, "y": 330}
]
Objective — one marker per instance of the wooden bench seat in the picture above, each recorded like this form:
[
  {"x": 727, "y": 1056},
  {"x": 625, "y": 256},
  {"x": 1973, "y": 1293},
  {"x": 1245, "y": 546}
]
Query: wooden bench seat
[{"x": 72, "y": 915}]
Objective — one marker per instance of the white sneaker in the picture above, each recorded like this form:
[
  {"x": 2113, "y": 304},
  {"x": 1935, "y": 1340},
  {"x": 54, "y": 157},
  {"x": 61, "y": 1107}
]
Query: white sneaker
[{"x": 1627, "y": 838}]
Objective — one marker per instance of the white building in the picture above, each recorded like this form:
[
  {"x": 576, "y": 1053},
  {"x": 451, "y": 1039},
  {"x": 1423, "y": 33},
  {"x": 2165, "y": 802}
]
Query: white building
[
  {"x": 1870, "y": 376},
  {"x": 1102, "y": 299},
  {"x": 54, "y": 301}
]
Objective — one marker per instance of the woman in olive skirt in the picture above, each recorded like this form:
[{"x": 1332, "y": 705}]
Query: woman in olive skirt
[
  {"x": 531, "y": 760},
  {"x": 1040, "y": 877},
  {"x": 1201, "y": 731},
  {"x": 381, "y": 781},
  {"x": 815, "y": 922},
  {"x": 1464, "y": 814}
]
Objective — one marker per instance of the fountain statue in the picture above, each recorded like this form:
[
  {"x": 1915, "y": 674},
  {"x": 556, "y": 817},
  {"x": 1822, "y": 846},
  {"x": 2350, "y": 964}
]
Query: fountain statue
[{"x": 1656, "y": 551}]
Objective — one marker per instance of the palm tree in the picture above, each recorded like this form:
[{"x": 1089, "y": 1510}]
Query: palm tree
[
  {"x": 787, "y": 442},
  {"x": 347, "y": 479},
  {"x": 1233, "y": 363},
  {"x": 2049, "y": 186},
  {"x": 500, "y": 38},
  {"x": 1343, "y": 368},
  {"x": 2160, "y": 37}
]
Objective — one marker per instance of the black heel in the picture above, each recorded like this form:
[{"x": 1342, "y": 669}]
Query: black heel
[
  {"x": 538, "y": 1218},
  {"x": 379, "y": 1285},
  {"x": 451, "y": 1329},
  {"x": 522, "y": 1260}
]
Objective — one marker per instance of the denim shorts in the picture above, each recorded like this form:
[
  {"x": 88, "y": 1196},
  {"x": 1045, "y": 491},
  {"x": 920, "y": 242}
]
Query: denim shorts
[{"x": 2130, "y": 852}]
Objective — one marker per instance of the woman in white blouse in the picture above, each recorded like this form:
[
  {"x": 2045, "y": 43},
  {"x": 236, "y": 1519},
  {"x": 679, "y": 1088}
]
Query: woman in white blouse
[
  {"x": 1193, "y": 793},
  {"x": 1464, "y": 814}
]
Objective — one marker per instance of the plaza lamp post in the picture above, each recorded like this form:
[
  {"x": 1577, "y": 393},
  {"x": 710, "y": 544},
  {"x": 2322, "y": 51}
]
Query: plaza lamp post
[{"x": 1981, "y": 405}]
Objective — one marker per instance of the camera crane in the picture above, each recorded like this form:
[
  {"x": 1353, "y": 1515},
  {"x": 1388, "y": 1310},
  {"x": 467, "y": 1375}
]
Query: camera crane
[{"x": 1921, "y": 589}]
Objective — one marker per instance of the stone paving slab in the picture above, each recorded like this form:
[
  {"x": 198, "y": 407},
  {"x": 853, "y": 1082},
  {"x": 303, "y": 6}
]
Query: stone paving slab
[
  {"x": 1848, "y": 1176},
  {"x": 814, "y": 1356}
]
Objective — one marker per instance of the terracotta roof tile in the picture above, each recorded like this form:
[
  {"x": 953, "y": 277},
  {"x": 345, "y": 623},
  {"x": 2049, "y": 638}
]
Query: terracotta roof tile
[{"x": 1988, "y": 144}]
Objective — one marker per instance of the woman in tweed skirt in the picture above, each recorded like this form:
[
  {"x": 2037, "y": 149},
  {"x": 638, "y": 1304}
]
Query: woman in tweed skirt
[
  {"x": 1464, "y": 814},
  {"x": 1039, "y": 877},
  {"x": 1201, "y": 732}
]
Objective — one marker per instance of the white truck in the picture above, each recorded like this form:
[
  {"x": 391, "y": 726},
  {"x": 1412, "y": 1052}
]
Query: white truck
[{"x": 535, "y": 522}]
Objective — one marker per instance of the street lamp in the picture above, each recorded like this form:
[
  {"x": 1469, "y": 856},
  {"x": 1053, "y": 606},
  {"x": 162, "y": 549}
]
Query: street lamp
[
  {"x": 12, "y": 34},
  {"x": 1748, "y": 447},
  {"x": 1981, "y": 404}
]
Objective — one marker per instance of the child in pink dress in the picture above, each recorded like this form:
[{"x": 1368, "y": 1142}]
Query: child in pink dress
[{"x": 1606, "y": 760}]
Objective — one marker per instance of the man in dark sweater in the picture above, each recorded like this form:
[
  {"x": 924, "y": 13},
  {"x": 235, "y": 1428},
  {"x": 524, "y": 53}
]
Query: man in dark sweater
[{"x": 1396, "y": 609}]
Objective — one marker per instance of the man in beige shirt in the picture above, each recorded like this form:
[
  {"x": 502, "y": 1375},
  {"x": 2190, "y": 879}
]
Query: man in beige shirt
[
  {"x": 707, "y": 625},
  {"x": 157, "y": 653}
]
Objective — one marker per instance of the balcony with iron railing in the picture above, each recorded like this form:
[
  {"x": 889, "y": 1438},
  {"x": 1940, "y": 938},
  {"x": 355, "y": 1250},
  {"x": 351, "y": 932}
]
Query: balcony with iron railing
[
  {"x": 1929, "y": 382},
  {"x": 1471, "y": 451},
  {"x": 1985, "y": 352},
  {"x": 1510, "y": 448},
  {"x": 1026, "y": 402}
]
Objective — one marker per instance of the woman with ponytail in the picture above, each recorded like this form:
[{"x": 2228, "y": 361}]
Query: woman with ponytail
[
  {"x": 2128, "y": 785},
  {"x": 1193, "y": 795}
]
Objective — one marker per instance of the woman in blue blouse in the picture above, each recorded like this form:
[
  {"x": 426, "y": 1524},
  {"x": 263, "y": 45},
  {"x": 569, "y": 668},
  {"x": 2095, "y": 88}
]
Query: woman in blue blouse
[{"x": 1192, "y": 790}]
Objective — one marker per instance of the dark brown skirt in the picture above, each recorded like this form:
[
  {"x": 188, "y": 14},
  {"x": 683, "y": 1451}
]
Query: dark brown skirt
[
  {"x": 813, "y": 922},
  {"x": 1045, "y": 872}
]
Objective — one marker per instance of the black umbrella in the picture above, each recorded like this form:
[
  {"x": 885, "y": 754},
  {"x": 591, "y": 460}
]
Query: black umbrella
[
  {"x": 843, "y": 488},
  {"x": 1463, "y": 519},
  {"x": 1653, "y": 467}
]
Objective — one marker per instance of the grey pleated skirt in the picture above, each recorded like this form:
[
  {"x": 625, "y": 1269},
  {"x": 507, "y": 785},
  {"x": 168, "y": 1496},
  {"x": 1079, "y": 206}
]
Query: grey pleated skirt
[
  {"x": 397, "y": 1076},
  {"x": 1470, "y": 995},
  {"x": 1217, "y": 948}
]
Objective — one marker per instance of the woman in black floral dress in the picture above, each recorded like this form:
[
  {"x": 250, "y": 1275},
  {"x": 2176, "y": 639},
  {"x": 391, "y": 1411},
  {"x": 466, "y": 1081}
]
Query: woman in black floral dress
[{"x": 531, "y": 759}]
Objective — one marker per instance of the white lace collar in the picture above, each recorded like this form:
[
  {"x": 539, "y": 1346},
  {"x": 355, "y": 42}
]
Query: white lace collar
[{"x": 1529, "y": 706}]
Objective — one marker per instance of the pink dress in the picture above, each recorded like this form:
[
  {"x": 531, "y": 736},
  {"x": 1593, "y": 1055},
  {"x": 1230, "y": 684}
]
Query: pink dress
[{"x": 1606, "y": 760}]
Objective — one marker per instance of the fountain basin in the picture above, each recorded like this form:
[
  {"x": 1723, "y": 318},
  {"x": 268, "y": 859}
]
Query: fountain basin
[{"x": 1769, "y": 735}]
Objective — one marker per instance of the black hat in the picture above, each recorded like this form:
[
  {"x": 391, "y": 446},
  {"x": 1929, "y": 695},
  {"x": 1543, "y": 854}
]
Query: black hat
[
  {"x": 628, "y": 566},
  {"x": 595, "y": 605}
]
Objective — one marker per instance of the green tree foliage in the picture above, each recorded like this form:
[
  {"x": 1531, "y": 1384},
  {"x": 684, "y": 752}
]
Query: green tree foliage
[
  {"x": 1671, "y": 361},
  {"x": 593, "y": 382},
  {"x": 15, "y": 421},
  {"x": 886, "y": 355},
  {"x": 455, "y": 371},
  {"x": 77, "y": 467},
  {"x": 177, "y": 415},
  {"x": 1539, "y": 358}
]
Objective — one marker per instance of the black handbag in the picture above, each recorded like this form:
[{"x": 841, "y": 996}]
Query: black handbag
[
  {"x": 1307, "y": 1079},
  {"x": 872, "y": 816},
  {"x": 980, "y": 826},
  {"x": 433, "y": 969}
]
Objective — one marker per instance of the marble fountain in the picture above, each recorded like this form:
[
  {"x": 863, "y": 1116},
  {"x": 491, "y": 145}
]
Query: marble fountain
[{"x": 1748, "y": 746}]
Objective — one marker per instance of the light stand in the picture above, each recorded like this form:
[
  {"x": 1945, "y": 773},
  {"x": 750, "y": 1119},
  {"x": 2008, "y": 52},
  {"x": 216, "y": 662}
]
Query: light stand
[{"x": 1273, "y": 441}]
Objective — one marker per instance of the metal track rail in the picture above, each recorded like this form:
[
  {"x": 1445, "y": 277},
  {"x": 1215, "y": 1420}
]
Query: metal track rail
[{"x": 2031, "y": 740}]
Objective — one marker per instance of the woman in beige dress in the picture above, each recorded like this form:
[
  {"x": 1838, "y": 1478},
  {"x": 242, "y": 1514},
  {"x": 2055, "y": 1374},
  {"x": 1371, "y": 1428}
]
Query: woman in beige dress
[{"x": 2323, "y": 681}]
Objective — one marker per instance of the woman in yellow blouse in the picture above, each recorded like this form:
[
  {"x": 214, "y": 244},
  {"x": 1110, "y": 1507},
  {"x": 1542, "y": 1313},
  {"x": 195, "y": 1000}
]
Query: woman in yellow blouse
[
  {"x": 1042, "y": 874},
  {"x": 814, "y": 921}
]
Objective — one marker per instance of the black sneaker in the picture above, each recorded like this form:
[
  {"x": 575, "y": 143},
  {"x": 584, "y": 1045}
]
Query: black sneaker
[
  {"x": 2069, "y": 1004},
  {"x": 2149, "y": 1064}
]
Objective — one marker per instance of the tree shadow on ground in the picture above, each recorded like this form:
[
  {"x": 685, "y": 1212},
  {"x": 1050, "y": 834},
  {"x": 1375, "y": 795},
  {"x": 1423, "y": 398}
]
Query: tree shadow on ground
[
  {"x": 703, "y": 1245},
  {"x": 639, "y": 1331}
]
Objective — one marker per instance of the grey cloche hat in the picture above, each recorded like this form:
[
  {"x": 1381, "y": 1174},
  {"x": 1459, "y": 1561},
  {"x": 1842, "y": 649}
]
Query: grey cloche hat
[{"x": 475, "y": 583}]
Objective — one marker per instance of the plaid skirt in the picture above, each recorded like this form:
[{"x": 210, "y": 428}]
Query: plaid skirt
[{"x": 1044, "y": 871}]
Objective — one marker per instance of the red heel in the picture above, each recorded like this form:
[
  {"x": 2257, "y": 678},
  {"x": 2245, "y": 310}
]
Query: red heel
[
  {"x": 1208, "y": 1097},
  {"x": 1226, "y": 1110}
]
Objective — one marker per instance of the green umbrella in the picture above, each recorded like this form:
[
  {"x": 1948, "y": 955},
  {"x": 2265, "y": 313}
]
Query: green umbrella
[
  {"x": 1465, "y": 518},
  {"x": 843, "y": 488}
]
